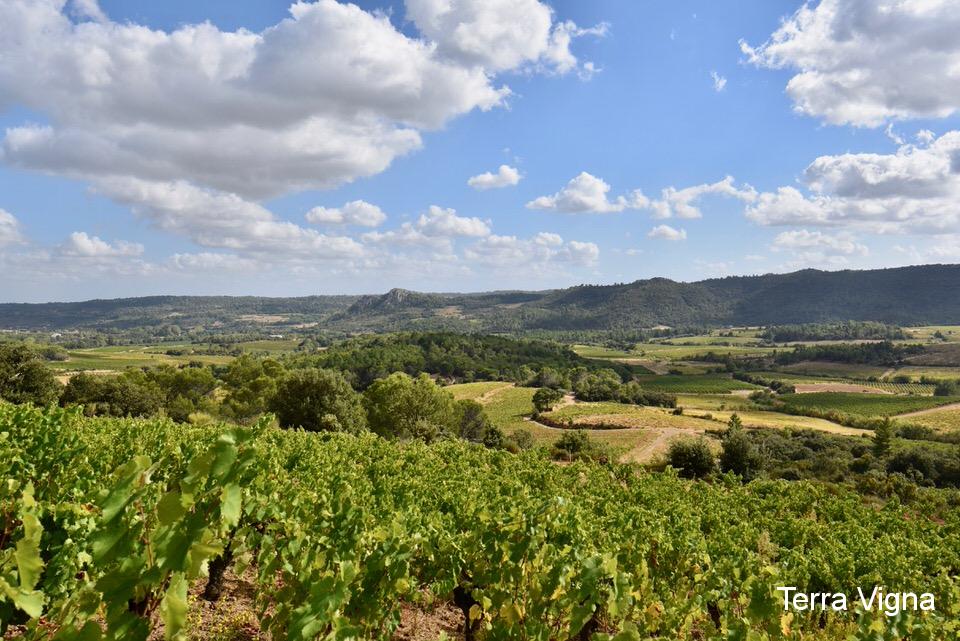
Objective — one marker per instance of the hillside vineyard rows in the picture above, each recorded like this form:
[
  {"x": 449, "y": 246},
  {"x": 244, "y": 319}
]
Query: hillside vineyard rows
[{"x": 109, "y": 522}]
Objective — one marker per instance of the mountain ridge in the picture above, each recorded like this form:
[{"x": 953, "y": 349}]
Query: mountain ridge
[{"x": 920, "y": 294}]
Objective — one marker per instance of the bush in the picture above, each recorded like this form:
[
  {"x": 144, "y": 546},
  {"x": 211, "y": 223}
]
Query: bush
[
  {"x": 24, "y": 378},
  {"x": 576, "y": 445},
  {"x": 740, "y": 455},
  {"x": 545, "y": 398},
  {"x": 318, "y": 400},
  {"x": 946, "y": 388},
  {"x": 691, "y": 458},
  {"x": 521, "y": 438}
]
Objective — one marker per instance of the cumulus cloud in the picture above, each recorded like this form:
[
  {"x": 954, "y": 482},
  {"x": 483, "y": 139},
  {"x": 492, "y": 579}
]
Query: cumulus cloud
[
  {"x": 498, "y": 34},
  {"x": 666, "y": 232},
  {"x": 330, "y": 94},
  {"x": 863, "y": 62},
  {"x": 9, "y": 229},
  {"x": 914, "y": 190},
  {"x": 536, "y": 253},
  {"x": 506, "y": 176},
  {"x": 438, "y": 221},
  {"x": 81, "y": 245},
  {"x": 682, "y": 203},
  {"x": 802, "y": 239},
  {"x": 222, "y": 220},
  {"x": 356, "y": 212},
  {"x": 587, "y": 194}
]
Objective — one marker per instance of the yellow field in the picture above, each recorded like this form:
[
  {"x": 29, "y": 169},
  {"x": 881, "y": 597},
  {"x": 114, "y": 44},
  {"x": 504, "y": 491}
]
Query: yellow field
[
  {"x": 941, "y": 420},
  {"x": 475, "y": 391}
]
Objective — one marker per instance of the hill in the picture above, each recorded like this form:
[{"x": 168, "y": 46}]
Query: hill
[{"x": 927, "y": 294}]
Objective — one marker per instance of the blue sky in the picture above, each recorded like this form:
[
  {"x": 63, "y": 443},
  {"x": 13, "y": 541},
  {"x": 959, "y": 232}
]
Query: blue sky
[{"x": 145, "y": 154}]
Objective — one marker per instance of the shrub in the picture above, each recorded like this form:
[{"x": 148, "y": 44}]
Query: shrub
[
  {"x": 946, "y": 388},
  {"x": 545, "y": 398},
  {"x": 691, "y": 458},
  {"x": 318, "y": 400}
]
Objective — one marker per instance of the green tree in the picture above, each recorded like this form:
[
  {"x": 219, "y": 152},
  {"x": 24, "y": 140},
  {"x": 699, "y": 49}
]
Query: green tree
[
  {"x": 883, "y": 438},
  {"x": 24, "y": 378},
  {"x": 545, "y": 398},
  {"x": 318, "y": 400},
  {"x": 250, "y": 383},
  {"x": 740, "y": 454},
  {"x": 473, "y": 424},
  {"x": 397, "y": 403},
  {"x": 947, "y": 388},
  {"x": 691, "y": 458}
]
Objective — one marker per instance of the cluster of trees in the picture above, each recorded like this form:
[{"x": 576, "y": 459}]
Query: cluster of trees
[
  {"x": 844, "y": 331},
  {"x": 606, "y": 385},
  {"x": 882, "y": 353},
  {"x": 315, "y": 399},
  {"x": 875, "y": 466},
  {"x": 455, "y": 357}
]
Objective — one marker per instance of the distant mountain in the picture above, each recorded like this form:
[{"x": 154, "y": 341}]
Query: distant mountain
[{"x": 927, "y": 294}]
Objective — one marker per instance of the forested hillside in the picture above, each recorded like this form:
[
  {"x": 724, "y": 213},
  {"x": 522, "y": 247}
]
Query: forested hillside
[{"x": 928, "y": 294}]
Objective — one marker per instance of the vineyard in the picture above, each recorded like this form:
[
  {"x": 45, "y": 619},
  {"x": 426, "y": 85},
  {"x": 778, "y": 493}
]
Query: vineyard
[
  {"x": 108, "y": 523},
  {"x": 865, "y": 405},
  {"x": 695, "y": 384}
]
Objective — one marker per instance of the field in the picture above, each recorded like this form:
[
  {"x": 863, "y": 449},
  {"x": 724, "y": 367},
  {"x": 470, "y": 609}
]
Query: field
[
  {"x": 945, "y": 420},
  {"x": 695, "y": 384},
  {"x": 866, "y": 405},
  {"x": 841, "y": 370},
  {"x": 121, "y": 357},
  {"x": 350, "y": 537}
]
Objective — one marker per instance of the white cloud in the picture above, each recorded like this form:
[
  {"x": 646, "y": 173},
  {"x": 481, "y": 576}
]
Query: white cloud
[
  {"x": 497, "y": 34},
  {"x": 222, "y": 220},
  {"x": 328, "y": 95},
  {"x": 579, "y": 253},
  {"x": 355, "y": 212},
  {"x": 9, "y": 229},
  {"x": 208, "y": 261},
  {"x": 915, "y": 190},
  {"x": 682, "y": 203},
  {"x": 537, "y": 253},
  {"x": 802, "y": 239},
  {"x": 719, "y": 82},
  {"x": 506, "y": 176},
  {"x": 81, "y": 245},
  {"x": 445, "y": 223},
  {"x": 666, "y": 232},
  {"x": 925, "y": 136},
  {"x": 863, "y": 62},
  {"x": 587, "y": 194}
]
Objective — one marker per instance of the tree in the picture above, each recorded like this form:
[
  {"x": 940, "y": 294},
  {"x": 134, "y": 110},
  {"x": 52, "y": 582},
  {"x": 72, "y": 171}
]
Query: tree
[
  {"x": 691, "y": 458},
  {"x": 397, "y": 403},
  {"x": 473, "y": 424},
  {"x": 318, "y": 400},
  {"x": 739, "y": 454},
  {"x": 883, "y": 438},
  {"x": 24, "y": 378},
  {"x": 250, "y": 383},
  {"x": 947, "y": 388},
  {"x": 545, "y": 398}
]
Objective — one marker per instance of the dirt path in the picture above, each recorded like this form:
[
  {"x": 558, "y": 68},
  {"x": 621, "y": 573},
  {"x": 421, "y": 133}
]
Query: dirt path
[
  {"x": 659, "y": 445},
  {"x": 643, "y": 453},
  {"x": 951, "y": 406},
  {"x": 486, "y": 397}
]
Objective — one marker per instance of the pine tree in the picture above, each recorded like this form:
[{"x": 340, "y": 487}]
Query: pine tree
[{"x": 883, "y": 438}]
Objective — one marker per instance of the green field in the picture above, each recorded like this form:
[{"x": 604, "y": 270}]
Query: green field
[
  {"x": 344, "y": 537},
  {"x": 474, "y": 391},
  {"x": 122, "y": 357},
  {"x": 507, "y": 408},
  {"x": 841, "y": 370},
  {"x": 866, "y": 405},
  {"x": 695, "y": 384}
]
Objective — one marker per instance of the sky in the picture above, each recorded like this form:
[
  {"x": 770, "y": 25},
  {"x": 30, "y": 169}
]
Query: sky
[{"x": 322, "y": 147}]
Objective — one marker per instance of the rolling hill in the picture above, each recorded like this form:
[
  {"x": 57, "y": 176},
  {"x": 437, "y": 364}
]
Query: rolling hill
[{"x": 927, "y": 294}]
